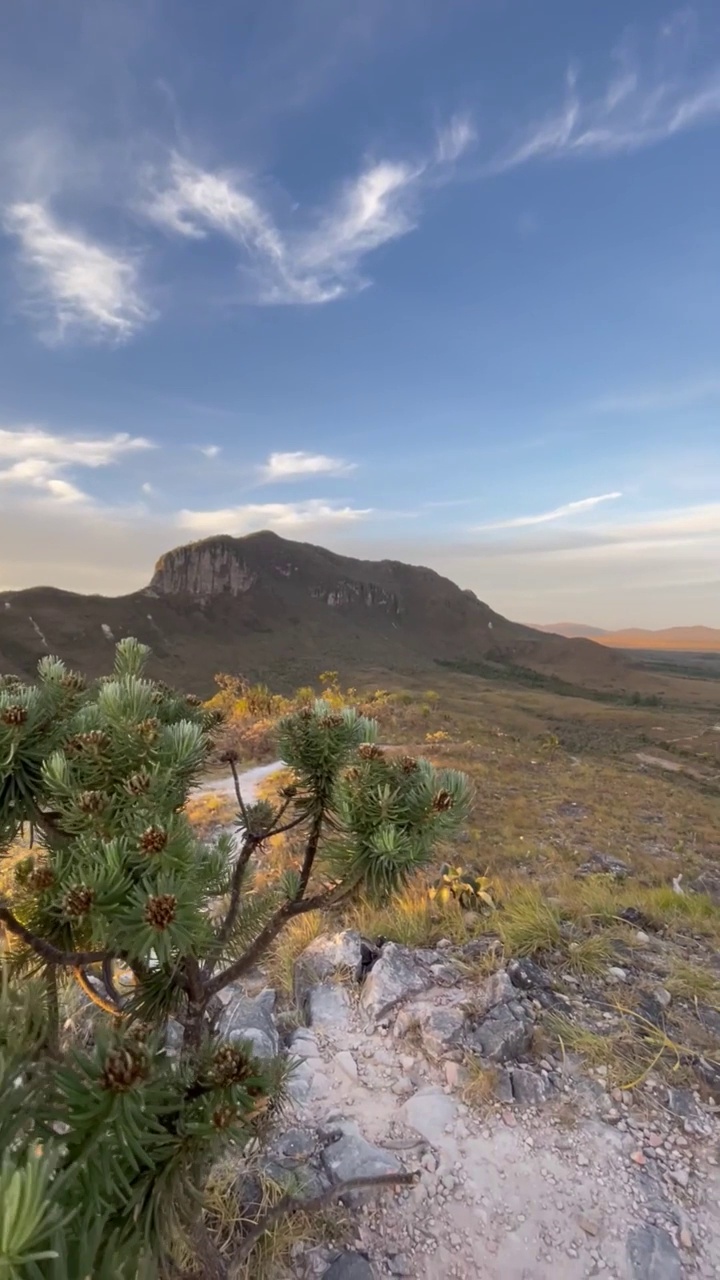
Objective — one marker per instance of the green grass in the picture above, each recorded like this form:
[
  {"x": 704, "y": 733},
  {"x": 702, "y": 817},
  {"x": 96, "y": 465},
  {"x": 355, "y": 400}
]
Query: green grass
[{"x": 528, "y": 924}]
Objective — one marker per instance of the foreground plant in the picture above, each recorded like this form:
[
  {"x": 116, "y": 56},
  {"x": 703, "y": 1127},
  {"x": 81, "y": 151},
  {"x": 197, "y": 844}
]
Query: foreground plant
[{"x": 107, "y": 1151}]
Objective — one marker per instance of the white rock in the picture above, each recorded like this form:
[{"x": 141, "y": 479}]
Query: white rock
[{"x": 347, "y": 1064}]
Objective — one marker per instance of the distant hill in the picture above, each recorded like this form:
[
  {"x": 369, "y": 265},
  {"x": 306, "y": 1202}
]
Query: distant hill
[
  {"x": 689, "y": 639},
  {"x": 281, "y": 612},
  {"x": 571, "y": 630}
]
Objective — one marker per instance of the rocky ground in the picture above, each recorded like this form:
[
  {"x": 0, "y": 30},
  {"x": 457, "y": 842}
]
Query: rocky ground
[{"x": 528, "y": 1166}]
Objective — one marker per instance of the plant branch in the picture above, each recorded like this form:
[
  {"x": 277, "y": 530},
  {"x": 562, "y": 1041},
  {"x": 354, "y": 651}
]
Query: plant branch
[
  {"x": 238, "y": 793},
  {"x": 249, "y": 845},
  {"x": 292, "y": 1204},
  {"x": 311, "y": 849},
  {"x": 46, "y": 950},
  {"x": 85, "y": 984},
  {"x": 274, "y": 926}
]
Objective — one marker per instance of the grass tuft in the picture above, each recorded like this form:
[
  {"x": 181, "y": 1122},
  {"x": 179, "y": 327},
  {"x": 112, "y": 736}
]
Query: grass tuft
[
  {"x": 415, "y": 920},
  {"x": 480, "y": 1087},
  {"x": 688, "y": 982},
  {"x": 295, "y": 937},
  {"x": 528, "y": 924},
  {"x": 590, "y": 956}
]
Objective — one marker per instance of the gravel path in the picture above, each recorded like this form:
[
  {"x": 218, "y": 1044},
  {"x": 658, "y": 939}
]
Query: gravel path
[{"x": 569, "y": 1191}]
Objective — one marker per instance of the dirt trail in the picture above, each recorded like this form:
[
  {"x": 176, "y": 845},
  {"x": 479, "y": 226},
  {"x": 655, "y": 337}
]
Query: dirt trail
[{"x": 564, "y": 1192}]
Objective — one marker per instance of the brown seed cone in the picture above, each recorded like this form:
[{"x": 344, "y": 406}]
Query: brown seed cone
[
  {"x": 160, "y": 910},
  {"x": 137, "y": 784},
  {"x": 442, "y": 801},
  {"x": 41, "y": 877},
  {"x": 78, "y": 900},
  {"x": 14, "y": 716},
  {"x": 91, "y": 801},
  {"x": 148, "y": 729},
  {"x": 124, "y": 1067},
  {"x": 153, "y": 840},
  {"x": 231, "y": 1064}
]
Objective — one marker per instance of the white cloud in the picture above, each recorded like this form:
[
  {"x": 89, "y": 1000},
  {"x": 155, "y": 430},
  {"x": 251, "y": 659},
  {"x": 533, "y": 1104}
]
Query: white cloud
[
  {"x": 285, "y": 516},
  {"x": 40, "y": 460},
  {"x": 569, "y": 509},
  {"x": 74, "y": 284},
  {"x": 454, "y": 139},
  {"x": 297, "y": 465},
  {"x": 658, "y": 399},
  {"x": 209, "y": 450},
  {"x": 655, "y": 94},
  {"x": 312, "y": 261}
]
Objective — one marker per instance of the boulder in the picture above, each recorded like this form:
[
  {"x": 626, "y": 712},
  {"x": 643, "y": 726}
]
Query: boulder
[
  {"x": 504, "y": 1034},
  {"x": 351, "y": 1156},
  {"x": 251, "y": 1020},
  {"x": 349, "y": 1266},
  {"x": 441, "y": 1030},
  {"x": 399, "y": 974},
  {"x": 328, "y": 1006},
  {"x": 652, "y": 1255},
  {"x": 431, "y": 1112},
  {"x": 708, "y": 883},
  {"x": 529, "y": 1089},
  {"x": 324, "y": 958},
  {"x": 602, "y": 864}
]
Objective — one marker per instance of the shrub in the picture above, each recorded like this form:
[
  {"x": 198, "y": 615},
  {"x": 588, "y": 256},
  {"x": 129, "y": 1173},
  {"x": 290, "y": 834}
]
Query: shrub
[{"x": 106, "y": 1149}]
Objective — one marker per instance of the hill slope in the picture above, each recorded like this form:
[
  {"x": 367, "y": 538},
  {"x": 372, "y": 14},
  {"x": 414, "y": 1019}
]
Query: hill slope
[
  {"x": 681, "y": 639},
  {"x": 571, "y": 630},
  {"x": 687, "y": 639},
  {"x": 282, "y": 611}
]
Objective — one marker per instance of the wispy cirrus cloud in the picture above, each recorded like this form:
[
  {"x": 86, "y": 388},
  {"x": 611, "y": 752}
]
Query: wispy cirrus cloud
[
  {"x": 558, "y": 513},
  {"x": 40, "y": 462},
  {"x": 654, "y": 93},
  {"x": 668, "y": 396},
  {"x": 283, "y": 516},
  {"x": 75, "y": 285},
  {"x": 320, "y": 260},
  {"x": 298, "y": 465}
]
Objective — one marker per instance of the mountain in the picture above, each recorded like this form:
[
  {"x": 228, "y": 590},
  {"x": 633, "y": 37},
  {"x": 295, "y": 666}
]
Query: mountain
[
  {"x": 281, "y": 612},
  {"x": 571, "y": 630},
  {"x": 682, "y": 639},
  {"x": 687, "y": 639}
]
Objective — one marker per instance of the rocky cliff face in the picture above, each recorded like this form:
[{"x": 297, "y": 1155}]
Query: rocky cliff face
[
  {"x": 233, "y": 566},
  {"x": 210, "y": 568}
]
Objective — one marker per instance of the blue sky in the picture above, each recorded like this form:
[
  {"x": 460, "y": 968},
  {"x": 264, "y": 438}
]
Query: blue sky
[{"x": 424, "y": 279}]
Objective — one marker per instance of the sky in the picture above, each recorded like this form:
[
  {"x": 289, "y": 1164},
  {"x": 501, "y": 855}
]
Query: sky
[{"x": 430, "y": 280}]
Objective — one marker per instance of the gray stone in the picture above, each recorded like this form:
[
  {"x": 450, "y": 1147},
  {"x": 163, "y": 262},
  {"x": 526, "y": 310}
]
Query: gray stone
[
  {"x": 347, "y": 1064},
  {"x": 683, "y": 1103},
  {"x": 400, "y": 1265},
  {"x": 351, "y": 1156},
  {"x": 349, "y": 1266},
  {"x": 504, "y": 1035},
  {"x": 529, "y": 1088},
  {"x": 326, "y": 957},
  {"x": 299, "y": 1082},
  {"x": 652, "y": 1255},
  {"x": 708, "y": 883},
  {"x": 603, "y": 864},
  {"x": 441, "y": 1030},
  {"x": 295, "y": 1147},
  {"x": 497, "y": 989},
  {"x": 328, "y": 1005},
  {"x": 430, "y": 1112},
  {"x": 252, "y": 1022},
  {"x": 397, "y": 975}
]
